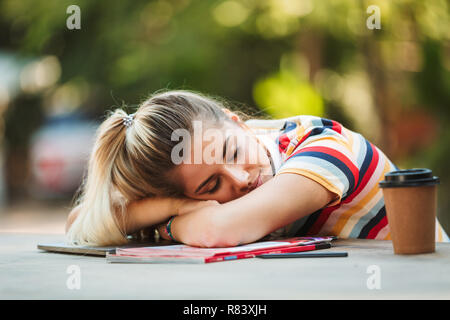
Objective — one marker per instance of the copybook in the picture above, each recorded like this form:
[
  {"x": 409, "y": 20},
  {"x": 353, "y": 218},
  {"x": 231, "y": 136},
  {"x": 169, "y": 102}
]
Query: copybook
[{"x": 188, "y": 254}]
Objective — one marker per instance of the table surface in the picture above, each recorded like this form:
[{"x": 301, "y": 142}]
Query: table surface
[{"x": 29, "y": 273}]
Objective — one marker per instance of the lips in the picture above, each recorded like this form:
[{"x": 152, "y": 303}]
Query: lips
[{"x": 257, "y": 182}]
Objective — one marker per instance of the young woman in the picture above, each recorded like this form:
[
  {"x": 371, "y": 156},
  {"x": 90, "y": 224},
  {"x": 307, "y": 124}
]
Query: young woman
[{"x": 186, "y": 164}]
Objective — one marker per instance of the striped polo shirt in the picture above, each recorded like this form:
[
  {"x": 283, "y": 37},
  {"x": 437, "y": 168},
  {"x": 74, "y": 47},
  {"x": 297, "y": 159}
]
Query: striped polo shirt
[{"x": 342, "y": 161}]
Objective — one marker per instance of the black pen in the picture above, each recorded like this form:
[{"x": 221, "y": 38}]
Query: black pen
[{"x": 303, "y": 255}]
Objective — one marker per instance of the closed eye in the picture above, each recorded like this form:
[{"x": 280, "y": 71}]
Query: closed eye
[{"x": 216, "y": 186}]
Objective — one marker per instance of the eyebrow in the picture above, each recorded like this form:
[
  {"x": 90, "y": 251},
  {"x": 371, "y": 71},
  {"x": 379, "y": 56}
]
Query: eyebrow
[{"x": 212, "y": 176}]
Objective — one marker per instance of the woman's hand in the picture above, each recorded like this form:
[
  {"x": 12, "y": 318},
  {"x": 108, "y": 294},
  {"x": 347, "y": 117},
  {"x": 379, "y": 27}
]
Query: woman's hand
[{"x": 186, "y": 206}]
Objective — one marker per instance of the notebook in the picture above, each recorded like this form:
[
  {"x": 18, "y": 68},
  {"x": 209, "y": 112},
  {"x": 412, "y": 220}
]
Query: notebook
[
  {"x": 61, "y": 247},
  {"x": 187, "y": 254}
]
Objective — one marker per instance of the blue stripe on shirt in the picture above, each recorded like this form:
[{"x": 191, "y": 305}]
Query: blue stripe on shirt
[{"x": 333, "y": 160}]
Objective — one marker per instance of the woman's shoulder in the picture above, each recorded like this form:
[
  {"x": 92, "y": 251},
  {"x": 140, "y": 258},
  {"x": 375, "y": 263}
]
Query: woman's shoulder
[
  {"x": 303, "y": 120},
  {"x": 295, "y": 125},
  {"x": 265, "y": 123}
]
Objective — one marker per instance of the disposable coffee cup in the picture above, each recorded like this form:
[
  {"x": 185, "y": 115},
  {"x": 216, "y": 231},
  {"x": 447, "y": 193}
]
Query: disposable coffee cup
[{"x": 410, "y": 198}]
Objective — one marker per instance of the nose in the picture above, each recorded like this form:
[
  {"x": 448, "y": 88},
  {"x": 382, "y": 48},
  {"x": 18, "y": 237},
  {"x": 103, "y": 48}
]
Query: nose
[{"x": 238, "y": 176}]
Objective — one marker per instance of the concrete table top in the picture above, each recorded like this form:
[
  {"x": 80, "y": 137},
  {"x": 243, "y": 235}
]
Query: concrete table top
[{"x": 371, "y": 271}]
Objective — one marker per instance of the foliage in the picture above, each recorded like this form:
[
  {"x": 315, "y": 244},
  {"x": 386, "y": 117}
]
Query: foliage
[{"x": 280, "y": 57}]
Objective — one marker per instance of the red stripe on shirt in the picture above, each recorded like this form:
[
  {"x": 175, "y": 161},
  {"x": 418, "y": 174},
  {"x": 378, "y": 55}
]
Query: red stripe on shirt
[
  {"x": 336, "y": 126},
  {"x": 303, "y": 138},
  {"x": 338, "y": 155},
  {"x": 374, "y": 231},
  {"x": 323, "y": 217},
  {"x": 283, "y": 142},
  {"x": 325, "y": 213}
]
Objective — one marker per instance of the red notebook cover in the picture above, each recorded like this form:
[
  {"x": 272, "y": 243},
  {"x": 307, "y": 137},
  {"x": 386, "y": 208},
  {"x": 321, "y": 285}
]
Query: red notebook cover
[{"x": 188, "y": 254}]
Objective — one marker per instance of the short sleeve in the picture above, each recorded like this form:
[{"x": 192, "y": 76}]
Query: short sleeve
[{"x": 320, "y": 149}]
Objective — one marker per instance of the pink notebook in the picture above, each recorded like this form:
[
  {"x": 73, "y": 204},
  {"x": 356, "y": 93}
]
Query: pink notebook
[{"x": 186, "y": 254}]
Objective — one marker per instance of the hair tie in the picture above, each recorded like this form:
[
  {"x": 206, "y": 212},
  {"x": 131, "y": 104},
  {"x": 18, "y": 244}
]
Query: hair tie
[{"x": 128, "y": 120}]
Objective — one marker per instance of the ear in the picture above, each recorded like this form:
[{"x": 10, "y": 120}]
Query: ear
[{"x": 233, "y": 116}]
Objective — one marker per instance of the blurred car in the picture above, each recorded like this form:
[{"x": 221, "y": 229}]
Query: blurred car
[{"x": 59, "y": 154}]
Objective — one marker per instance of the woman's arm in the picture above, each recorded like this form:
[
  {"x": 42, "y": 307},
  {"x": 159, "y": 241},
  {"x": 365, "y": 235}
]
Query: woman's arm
[
  {"x": 140, "y": 214},
  {"x": 150, "y": 211},
  {"x": 280, "y": 201}
]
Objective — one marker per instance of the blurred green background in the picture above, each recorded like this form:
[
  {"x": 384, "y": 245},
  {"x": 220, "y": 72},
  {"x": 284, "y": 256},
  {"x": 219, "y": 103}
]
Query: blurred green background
[{"x": 270, "y": 58}]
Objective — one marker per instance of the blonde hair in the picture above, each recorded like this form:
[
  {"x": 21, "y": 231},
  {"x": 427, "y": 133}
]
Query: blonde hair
[{"x": 131, "y": 163}]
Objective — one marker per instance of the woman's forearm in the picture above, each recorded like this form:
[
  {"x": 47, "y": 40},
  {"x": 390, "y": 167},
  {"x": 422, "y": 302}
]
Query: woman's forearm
[
  {"x": 254, "y": 215},
  {"x": 200, "y": 228},
  {"x": 150, "y": 211},
  {"x": 140, "y": 214}
]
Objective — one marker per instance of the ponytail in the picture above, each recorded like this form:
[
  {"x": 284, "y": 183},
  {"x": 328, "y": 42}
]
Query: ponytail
[{"x": 102, "y": 209}]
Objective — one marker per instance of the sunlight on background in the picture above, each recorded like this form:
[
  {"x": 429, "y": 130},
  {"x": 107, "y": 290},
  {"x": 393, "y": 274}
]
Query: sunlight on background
[
  {"x": 283, "y": 95},
  {"x": 67, "y": 97},
  {"x": 359, "y": 105},
  {"x": 41, "y": 74},
  {"x": 230, "y": 13},
  {"x": 279, "y": 58}
]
